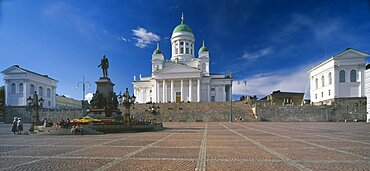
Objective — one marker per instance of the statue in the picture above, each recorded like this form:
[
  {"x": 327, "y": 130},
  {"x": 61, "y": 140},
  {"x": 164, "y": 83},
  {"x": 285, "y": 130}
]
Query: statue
[{"x": 104, "y": 66}]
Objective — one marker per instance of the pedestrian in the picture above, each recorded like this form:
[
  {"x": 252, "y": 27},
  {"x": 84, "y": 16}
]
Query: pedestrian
[
  {"x": 14, "y": 126},
  {"x": 19, "y": 126},
  {"x": 45, "y": 122}
]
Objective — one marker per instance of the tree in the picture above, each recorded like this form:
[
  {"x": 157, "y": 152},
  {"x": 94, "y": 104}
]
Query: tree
[{"x": 2, "y": 99}]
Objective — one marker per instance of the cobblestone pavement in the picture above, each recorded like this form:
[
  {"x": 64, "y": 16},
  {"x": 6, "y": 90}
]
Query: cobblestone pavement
[{"x": 196, "y": 146}]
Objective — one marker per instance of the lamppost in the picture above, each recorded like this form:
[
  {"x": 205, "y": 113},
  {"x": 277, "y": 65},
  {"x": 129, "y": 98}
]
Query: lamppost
[
  {"x": 34, "y": 104},
  {"x": 83, "y": 82},
  {"x": 245, "y": 88},
  {"x": 127, "y": 101}
]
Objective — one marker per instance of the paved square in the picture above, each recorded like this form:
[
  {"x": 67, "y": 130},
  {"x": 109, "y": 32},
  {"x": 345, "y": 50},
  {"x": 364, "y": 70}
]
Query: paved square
[{"x": 196, "y": 146}]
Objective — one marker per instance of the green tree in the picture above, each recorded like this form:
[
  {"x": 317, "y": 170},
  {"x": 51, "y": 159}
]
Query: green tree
[{"x": 2, "y": 99}]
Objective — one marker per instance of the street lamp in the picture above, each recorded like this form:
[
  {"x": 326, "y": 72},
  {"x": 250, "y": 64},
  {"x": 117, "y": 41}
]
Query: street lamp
[
  {"x": 127, "y": 101},
  {"x": 245, "y": 88},
  {"x": 34, "y": 104}
]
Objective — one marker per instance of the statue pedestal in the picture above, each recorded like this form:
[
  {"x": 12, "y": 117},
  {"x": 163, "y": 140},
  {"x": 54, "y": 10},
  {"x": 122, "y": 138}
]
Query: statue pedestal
[{"x": 105, "y": 87}]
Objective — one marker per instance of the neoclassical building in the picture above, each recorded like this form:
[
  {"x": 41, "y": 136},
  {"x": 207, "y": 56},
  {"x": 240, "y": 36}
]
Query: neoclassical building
[
  {"x": 21, "y": 83},
  {"x": 184, "y": 77},
  {"x": 340, "y": 76}
]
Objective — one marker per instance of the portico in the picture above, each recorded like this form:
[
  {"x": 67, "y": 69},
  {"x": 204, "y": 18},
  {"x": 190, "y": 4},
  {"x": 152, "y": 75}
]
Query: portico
[{"x": 176, "y": 90}]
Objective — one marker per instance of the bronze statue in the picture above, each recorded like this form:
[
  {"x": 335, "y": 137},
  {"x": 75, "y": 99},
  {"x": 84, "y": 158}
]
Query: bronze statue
[{"x": 104, "y": 66}]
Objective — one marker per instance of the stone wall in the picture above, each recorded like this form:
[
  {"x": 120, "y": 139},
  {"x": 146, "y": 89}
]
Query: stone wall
[
  {"x": 192, "y": 112},
  {"x": 53, "y": 114},
  {"x": 343, "y": 109}
]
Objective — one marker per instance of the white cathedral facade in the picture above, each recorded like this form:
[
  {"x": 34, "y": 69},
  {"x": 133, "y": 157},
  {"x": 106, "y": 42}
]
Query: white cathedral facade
[{"x": 183, "y": 78}]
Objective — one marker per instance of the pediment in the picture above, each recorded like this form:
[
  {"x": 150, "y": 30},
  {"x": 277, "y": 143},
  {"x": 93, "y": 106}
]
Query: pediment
[
  {"x": 177, "y": 69},
  {"x": 13, "y": 70},
  {"x": 351, "y": 53}
]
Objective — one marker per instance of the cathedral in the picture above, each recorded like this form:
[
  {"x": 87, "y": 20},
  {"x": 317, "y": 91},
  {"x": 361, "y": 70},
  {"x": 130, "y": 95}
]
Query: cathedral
[{"x": 183, "y": 78}]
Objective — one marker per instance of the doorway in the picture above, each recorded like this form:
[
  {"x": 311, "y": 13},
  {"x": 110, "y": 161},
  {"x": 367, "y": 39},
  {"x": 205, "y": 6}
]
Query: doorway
[{"x": 178, "y": 97}]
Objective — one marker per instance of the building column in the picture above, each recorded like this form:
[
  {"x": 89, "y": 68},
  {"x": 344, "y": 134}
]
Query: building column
[
  {"x": 190, "y": 90},
  {"x": 209, "y": 92},
  {"x": 198, "y": 90},
  {"x": 154, "y": 92},
  {"x": 157, "y": 92},
  {"x": 182, "y": 90},
  {"x": 164, "y": 91},
  {"x": 172, "y": 91}
]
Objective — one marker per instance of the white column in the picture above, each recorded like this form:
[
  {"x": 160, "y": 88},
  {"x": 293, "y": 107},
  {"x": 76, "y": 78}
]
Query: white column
[
  {"x": 157, "y": 92},
  {"x": 164, "y": 91},
  {"x": 172, "y": 100},
  {"x": 198, "y": 90},
  {"x": 209, "y": 92},
  {"x": 182, "y": 90},
  {"x": 190, "y": 89},
  {"x": 154, "y": 92}
]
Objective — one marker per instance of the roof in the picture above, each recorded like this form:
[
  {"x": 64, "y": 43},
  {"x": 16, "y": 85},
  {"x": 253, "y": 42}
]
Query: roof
[
  {"x": 17, "y": 66},
  {"x": 181, "y": 28},
  {"x": 203, "y": 48}
]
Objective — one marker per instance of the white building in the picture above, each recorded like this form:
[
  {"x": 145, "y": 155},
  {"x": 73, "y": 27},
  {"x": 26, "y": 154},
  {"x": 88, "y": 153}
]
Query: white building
[
  {"x": 340, "y": 76},
  {"x": 21, "y": 83},
  {"x": 184, "y": 77},
  {"x": 367, "y": 91}
]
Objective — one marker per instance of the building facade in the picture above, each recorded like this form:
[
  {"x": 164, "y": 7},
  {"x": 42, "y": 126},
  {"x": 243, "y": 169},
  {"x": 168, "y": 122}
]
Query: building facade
[
  {"x": 340, "y": 76},
  {"x": 183, "y": 78},
  {"x": 280, "y": 98},
  {"x": 21, "y": 83},
  {"x": 367, "y": 91}
]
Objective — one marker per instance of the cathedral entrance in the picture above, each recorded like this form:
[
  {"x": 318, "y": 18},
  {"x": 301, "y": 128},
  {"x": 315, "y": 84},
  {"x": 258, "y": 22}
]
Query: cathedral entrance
[{"x": 178, "y": 97}]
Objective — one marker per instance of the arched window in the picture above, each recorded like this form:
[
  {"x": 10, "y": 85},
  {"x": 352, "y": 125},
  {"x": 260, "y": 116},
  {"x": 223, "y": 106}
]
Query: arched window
[
  {"x": 317, "y": 83},
  {"x": 41, "y": 93},
  {"x": 203, "y": 67},
  {"x": 353, "y": 76},
  {"x": 322, "y": 81},
  {"x": 48, "y": 93},
  {"x": 329, "y": 78},
  {"x": 13, "y": 88},
  {"x": 20, "y": 87},
  {"x": 342, "y": 76},
  {"x": 32, "y": 89}
]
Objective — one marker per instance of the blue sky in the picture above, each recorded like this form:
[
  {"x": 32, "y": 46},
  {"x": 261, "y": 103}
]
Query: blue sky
[{"x": 271, "y": 44}]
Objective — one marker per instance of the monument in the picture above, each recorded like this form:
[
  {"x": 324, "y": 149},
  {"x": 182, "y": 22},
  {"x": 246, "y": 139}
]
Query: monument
[{"x": 104, "y": 101}]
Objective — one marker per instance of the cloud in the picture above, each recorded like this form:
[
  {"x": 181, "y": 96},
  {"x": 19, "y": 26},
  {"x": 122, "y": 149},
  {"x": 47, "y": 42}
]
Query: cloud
[
  {"x": 290, "y": 80},
  {"x": 124, "y": 39},
  {"x": 255, "y": 55},
  {"x": 144, "y": 37},
  {"x": 88, "y": 97}
]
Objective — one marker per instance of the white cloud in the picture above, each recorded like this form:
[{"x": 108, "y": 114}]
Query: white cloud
[
  {"x": 124, "y": 39},
  {"x": 144, "y": 37},
  {"x": 88, "y": 97},
  {"x": 294, "y": 80},
  {"x": 258, "y": 54}
]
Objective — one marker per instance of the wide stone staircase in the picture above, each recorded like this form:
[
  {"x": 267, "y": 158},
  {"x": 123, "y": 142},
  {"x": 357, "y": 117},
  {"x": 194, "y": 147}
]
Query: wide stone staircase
[{"x": 195, "y": 112}]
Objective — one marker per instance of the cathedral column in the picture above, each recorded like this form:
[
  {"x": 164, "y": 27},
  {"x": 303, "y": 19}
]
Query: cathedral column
[
  {"x": 198, "y": 90},
  {"x": 157, "y": 92},
  {"x": 164, "y": 91},
  {"x": 190, "y": 90},
  {"x": 172, "y": 91},
  {"x": 182, "y": 90},
  {"x": 209, "y": 92},
  {"x": 154, "y": 92}
]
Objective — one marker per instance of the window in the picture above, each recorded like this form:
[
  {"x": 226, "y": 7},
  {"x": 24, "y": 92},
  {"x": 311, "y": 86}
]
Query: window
[
  {"x": 342, "y": 76},
  {"x": 322, "y": 94},
  {"x": 203, "y": 66},
  {"x": 41, "y": 91},
  {"x": 322, "y": 81},
  {"x": 212, "y": 89},
  {"x": 176, "y": 50},
  {"x": 181, "y": 43},
  {"x": 317, "y": 83},
  {"x": 20, "y": 87},
  {"x": 48, "y": 93},
  {"x": 187, "y": 50},
  {"x": 329, "y": 92},
  {"x": 315, "y": 96},
  {"x": 187, "y": 44},
  {"x": 178, "y": 93},
  {"x": 13, "y": 88},
  {"x": 329, "y": 78},
  {"x": 49, "y": 103},
  {"x": 353, "y": 75},
  {"x": 32, "y": 89},
  {"x": 213, "y": 98},
  {"x": 181, "y": 50}
]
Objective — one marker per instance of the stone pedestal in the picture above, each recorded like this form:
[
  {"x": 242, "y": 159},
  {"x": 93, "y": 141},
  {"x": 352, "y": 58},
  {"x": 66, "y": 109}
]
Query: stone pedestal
[{"x": 105, "y": 87}]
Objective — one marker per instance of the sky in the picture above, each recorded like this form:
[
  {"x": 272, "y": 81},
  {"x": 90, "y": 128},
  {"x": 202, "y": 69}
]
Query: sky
[{"x": 270, "y": 44}]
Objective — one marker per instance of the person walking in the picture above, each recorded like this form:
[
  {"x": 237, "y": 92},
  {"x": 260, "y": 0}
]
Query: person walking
[
  {"x": 19, "y": 126},
  {"x": 14, "y": 126}
]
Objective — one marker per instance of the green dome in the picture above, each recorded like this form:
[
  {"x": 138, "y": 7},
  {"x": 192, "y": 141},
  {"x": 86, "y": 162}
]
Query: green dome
[
  {"x": 203, "y": 48},
  {"x": 157, "y": 51},
  {"x": 182, "y": 27}
]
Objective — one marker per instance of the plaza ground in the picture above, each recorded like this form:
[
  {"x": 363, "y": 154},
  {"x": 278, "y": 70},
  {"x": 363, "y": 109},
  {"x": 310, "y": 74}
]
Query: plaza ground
[{"x": 197, "y": 146}]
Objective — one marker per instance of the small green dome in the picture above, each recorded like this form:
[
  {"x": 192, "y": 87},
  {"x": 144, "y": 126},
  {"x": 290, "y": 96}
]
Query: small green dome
[
  {"x": 157, "y": 51},
  {"x": 182, "y": 27},
  {"x": 203, "y": 48}
]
